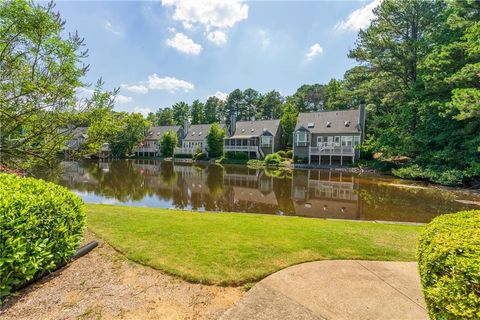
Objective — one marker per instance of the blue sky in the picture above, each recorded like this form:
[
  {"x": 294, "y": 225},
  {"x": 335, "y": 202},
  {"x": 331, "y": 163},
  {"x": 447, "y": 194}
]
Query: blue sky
[{"x": 162, "y": 52}]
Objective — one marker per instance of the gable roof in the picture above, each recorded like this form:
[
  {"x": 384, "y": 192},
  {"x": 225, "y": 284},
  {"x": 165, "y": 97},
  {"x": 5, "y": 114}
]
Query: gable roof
[
  {"x": 78, "y": 132},
  {"x": 248, "y": 129},
  {"x": 156, "y": 132},
  {"x": 197, "y": 132},
  {"x": 330, "y": 121}
]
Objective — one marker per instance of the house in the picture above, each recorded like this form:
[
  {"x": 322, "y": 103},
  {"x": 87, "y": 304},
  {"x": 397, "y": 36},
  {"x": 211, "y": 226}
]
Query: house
[
  {"x": 329, "y": 137},
  {"x": 76, "y": 138},
  {"x": 256, "y": 138},
  {"x": 150, "y": 146},
  {"x": 195, "y": 138}
]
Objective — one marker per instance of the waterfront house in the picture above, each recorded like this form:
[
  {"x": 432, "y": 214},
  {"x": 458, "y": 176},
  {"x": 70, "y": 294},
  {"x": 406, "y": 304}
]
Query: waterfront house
[
  {"x": 256, "y": 138},
  {"x": 150, "y": 146},
  {"x": 195, "y": 138},
  {"x": 76, "y": 138},
  {"x": 329, "y": 137}
]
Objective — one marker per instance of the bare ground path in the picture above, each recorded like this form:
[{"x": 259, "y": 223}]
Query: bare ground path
[
  {"x": 105, "y": 285},
  {"x": 336, "y": 290}
]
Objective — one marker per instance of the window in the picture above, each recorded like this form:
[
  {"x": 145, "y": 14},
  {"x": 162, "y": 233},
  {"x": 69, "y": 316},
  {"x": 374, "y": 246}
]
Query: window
[
  {"x": 301, "y": 138},
  {"x": 347, "y": 141},
  {"x": 356, "y": 140},
  {"x": 337, "y": 141},
  {"x": 266, "y": 141}
]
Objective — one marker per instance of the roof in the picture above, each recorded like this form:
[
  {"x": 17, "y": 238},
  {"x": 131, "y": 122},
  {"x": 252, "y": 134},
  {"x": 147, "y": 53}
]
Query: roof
[
  {"x": 248, "y": 129},
  {"x": 197, "y": 132},
  {"x": 157, "y": 132},
  {"x": 340, "y": 121},
  {"x": 79, "y": 132}
]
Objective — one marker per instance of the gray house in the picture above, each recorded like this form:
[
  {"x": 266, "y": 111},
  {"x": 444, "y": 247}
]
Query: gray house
[
  {"x": 256, "y": 138},
  {"x": 76, "y": 138},
  {"x": 329, "y": 137},
  {"x": 195, "y": 138},
  {"x": 150, "y": 146}
]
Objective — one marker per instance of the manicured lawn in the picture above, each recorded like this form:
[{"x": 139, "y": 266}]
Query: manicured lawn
[{"x": 233, "y": 248}]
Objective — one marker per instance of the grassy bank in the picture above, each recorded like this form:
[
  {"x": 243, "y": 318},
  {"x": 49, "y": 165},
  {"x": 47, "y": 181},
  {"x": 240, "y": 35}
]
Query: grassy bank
[{"x": 233, "y": 248}]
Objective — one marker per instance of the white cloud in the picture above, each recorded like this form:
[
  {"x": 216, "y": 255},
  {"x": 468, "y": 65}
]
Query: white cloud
[
  {"x": 123, "y": 99},
  {"x": 217, "y": 37},
  {"x": 264, "y": 39},
  {"x": 141, "y": 89},
  {"x": 220, "y": 95},
  {"x": 314, "y": 51},
  {"x": 142, "y": 110},
  {"x": 358, "y": 19},
  {"x": 109, "y": 27},
  {"x": 169, "y": 84},
  {"x": 184, "y": 44},
  {"x": 217, "y": 15}
]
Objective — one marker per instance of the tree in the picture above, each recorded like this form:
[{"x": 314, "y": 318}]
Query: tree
[
  {"x": 168, "y": 142},
  {"x": 198, "y": 113},
  {"x": 235, "y": 105},
  {"x": 40, "y": 71},
  {"x": 215, "y": 141},
  {"x": 270, "y": 106},
  {"x": 132, "y": 132},
  {"x": 289, "y": 121},
  {"x": 309, "y": 97},
  {"x": 251, "y": 100},
  {"x": 213, "y": 110},
  {"x": 165, "y": 117},
  {"x": 180, "y": 113}
]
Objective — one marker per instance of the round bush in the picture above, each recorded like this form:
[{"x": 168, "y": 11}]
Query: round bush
[
  {"x": 449, "y": 262},
  {"x": 273, "y": 159},
  {"x": 289, "y": 154},
  {"x": 282, "y": 153},
  {"x": 41, "y": 227}
]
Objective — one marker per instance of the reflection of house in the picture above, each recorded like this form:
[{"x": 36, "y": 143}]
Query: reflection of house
[
  {"x": 323, "y": 137},
  {"x": 256, "y": 138},
  {"x": 150, "y": 146},
  {"x": 76, "y": 138},
  {"x": 73, "y": 173},
  {"x": 195, "y": 138},
  {"x": 325, "y": 194}
]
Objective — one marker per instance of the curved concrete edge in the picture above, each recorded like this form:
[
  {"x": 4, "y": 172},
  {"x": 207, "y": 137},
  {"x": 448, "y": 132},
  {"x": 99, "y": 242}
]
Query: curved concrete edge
[{"x": 336, "y": 289}]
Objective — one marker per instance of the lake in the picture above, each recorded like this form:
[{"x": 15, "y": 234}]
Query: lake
[{"x": 299, "y": 192}]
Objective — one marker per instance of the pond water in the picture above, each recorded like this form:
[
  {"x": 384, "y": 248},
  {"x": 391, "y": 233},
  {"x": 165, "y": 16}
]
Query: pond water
[{"x": 307, "y": 193}]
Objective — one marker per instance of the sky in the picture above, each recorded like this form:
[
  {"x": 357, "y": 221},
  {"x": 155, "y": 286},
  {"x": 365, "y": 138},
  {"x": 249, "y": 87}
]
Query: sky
[{"x": 165, "y": 51}]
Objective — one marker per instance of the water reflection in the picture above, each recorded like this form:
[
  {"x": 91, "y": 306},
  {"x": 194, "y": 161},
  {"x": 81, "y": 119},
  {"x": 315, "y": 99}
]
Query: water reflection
[{"x": 309, "y": 193}]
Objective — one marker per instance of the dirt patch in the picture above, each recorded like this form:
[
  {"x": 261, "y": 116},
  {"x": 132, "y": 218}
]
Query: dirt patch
[{"x": 105, "y": 285}]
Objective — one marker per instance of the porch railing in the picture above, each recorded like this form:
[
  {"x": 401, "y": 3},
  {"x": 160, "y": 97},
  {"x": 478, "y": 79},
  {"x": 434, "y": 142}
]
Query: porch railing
[
  {"x": 240, "y": 148},
  {"x": 332, "y": 150},
  {"x": 182, "y": 150}
]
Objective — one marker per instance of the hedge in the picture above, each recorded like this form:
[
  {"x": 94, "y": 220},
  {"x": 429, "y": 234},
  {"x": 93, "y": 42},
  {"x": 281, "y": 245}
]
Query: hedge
[
  {"x": 41, "y": 227},
  {"x": 449, "y": 263}
]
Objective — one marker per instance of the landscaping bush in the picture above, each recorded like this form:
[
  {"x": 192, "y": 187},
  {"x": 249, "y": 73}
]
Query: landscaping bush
[
  {"x": 236, "y": 155},
  {"x": 273, "y": 159},
  {"x": 41, "y": 226},
  {"x": 200, "y": 156},
  {"x": 289, "y": 154},
  {"x": 282, "y": 154},
  {"x": 449, "y": 262},
  {"x": 450, "y": 177},
  {"x": 183, "y": 156}
]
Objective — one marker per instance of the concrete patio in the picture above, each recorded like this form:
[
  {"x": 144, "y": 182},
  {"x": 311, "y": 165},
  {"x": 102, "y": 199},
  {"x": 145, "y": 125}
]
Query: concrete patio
[{"x": 336, "y": 290}]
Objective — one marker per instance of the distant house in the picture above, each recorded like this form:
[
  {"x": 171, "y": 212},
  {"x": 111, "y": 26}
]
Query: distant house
[
  {"x": 195, "y": 138},
  {"x": 76, "y": 138},
  {"x": 256, "y": 138},
  {"x": 329, "y": 137},
  {"x": 150, "y": 146}
]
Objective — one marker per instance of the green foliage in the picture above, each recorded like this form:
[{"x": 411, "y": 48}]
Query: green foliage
[
  {"x": 41, "y": 226},
  {"x": 163, "y": 117},
  {"x": 289, "y": 121},
  {"x": 180, "y": 112},
  {"x": 449, "y": 262},
  {"x": 273, "y": 159},
  {"x": 282, "y": 154},
  {"x": 199, "y": 156},
  {"x": 183, "y": 156},
  {"x": 215, "y": 140},
  {"x": 236, "y": 155},
  {"x": 448, "y": 177},
  {"x": 168, "y": 142},
  {"x": 40, "y": 69},
  {"x": 198, "y": 112},
  {"x": 289, "y": 154},
  {"x": 270, "y": 105},
  {"x": 213, "y": 110}
]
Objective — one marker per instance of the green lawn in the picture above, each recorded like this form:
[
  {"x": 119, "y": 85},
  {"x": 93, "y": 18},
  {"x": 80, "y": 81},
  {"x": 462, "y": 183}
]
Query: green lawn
[{"x": 234, "y": 248}]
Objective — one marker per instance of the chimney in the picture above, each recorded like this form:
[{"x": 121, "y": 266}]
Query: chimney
[
  {"x": 362, "y": 113},
  {"x": 185, "y": 127},
  {"x": 233, "y": 123}
]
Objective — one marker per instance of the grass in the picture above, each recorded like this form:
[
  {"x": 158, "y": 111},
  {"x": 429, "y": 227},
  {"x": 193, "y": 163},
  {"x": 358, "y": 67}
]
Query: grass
[{"x": 236, "y": 248}]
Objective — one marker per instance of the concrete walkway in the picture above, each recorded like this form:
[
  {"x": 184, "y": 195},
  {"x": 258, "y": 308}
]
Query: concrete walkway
[{"x": 335, "y": 290}]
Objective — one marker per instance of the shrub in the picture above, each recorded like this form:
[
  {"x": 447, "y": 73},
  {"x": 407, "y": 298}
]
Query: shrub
[
  {"x": 183, "y": 156},
  {"x": 282, "y": 154},
  {"x": 215, "y": 140},
  {"x": 236, "y": 155},
  {"x": 168, "y": 142},
  {"x": 451, "y": 177},
  {"x": 41, "y": 227},
  {"x": 200, "y": 156},
  {"x": 289, "y": 154},
  {"x": 273, "y": 159},
  {"x": 449, "y": 262}
]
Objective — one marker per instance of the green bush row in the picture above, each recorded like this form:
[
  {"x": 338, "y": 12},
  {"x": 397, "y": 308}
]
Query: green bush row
[
  {"x": 236, "y": 155},
  {"x": 449, "y": 177},
  {"x": 449, "y": 263},
  {"x": 41, "y": 226}
]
